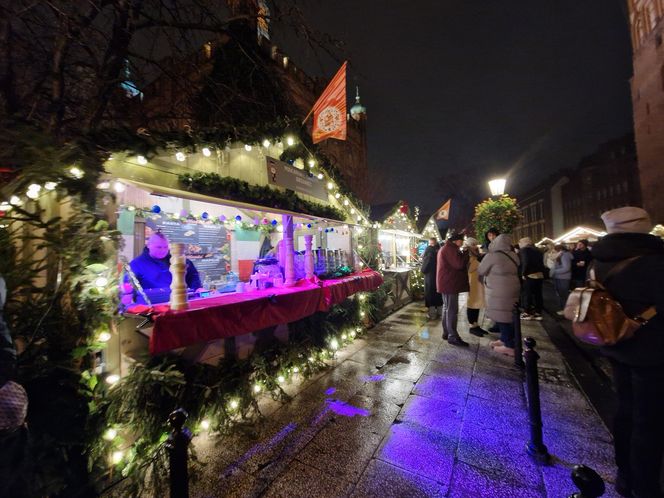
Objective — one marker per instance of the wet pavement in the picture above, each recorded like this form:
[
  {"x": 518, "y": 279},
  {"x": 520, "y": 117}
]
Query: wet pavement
[{"x": 400, "y": 413}]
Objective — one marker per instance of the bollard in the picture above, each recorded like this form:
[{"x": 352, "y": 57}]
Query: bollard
[
  {"x": 588, "y": 481},
  {"x": 178, "y": 449},
  {"x": 518, "y": 349},
  {"x": 535, "y": 447}
]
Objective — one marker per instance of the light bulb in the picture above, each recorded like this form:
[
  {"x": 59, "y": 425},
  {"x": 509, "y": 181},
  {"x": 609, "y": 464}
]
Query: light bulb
[
  {"x": 15, "y": 200},
  {"x": 266, "y": 143},
  {"x": 205, "y": 424},
  {"x": 116, "y": 457},
  {"x": 50, "y": 185},
  {"x": 206, "y": 152},
  {"x": 346, "y": 202},
  {"x": 296, "y": 370},
  {"x": 337, "y": 195},
  {"x": 281, "y": 379},
  {"x": 234, "y": 404},
  {"x": 330, "y": 185},
  {"x": 141, "y": 160},
  {"x": 334, "y": 344},
  {"x": 290, "y": 141},
  {"x": 104, "y": 336},
  {"x": 353, "y": 334},
  {"x": 247, "y": 147},
  {"x": 110, "y": 434},
  {"x": 362, "y": 314},
  {"x": 103, "y": 185},
  {"x": 180, "y": 156},
  {"x": 362, "y": 297},
  {"x": 119, "y": 187},
  {"x": 352, "y": 211},
  {"x": 257, "y": 388},
  {"x": 101, "y": 282},
  {"x": 311, "y": 359},
  {"x": 312, "y": 163},
  {"x": 344, "y": 337},
  {"x": 32, "y": 194},
  {"x": 5, "y": 206},
  {"x": 76, "y": 172},
  {"x": 320, "y": 176},
  {"x": 112, "y": 379}
]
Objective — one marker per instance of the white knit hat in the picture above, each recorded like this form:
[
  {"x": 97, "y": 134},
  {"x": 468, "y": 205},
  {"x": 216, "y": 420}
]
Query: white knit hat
[
  {"x": 627, "y": 219},
  {"x": 470, "y": 242}
]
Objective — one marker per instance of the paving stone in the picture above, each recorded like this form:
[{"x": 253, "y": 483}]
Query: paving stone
[
  {"x": 498, "y": 372},
  {"x": 373, "y": 356},
  {"x": 437, "y": 415},
  {"x": 491, "y": 389},
  {"x": 384, "y": 388},
  {"x": 569, "y": 397},
  {"x": 363, "y": 413},
  {"x": 573, "y": 449},
  {"x": 558, "y": 482},
  {"x": 448, "y": 387},
  {"x": 405, "y": 365},
  {"x": 456, "y": 370},
  {"x": 236, "y": 484},
  {"x": 300, "y": 480},
  {"x": 493, "y": 415},
  {"x": 473, "y": 482},
  {"x": 580, "y": 422},
  {"x": 419, "y": 450},
  {"x": 382, "y": 480},
  {"x": 499, "y": 453}
]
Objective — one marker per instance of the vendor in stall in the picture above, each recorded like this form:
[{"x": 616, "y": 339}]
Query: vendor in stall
[{"x": 152, "y": 267}]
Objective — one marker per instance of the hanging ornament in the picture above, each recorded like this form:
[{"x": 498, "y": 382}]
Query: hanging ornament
[
  {"x": 266, "y": 221},
  {"x": 222, "y": 218},
  {"x": 238, "y": 218},
  {"x": 256, "y": 221},
  {"x": 156, "y": 209},
  {"x": 205, "y": 215},
  {"x": 274, "y": 223},
  {"x": 184, "y": 213}
]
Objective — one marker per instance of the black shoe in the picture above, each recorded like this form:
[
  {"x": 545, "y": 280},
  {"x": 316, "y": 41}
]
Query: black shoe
[
  {"x": 445, "y": 336},
  {"x": 457, "y": 341},
  {"x": 478, "y": 331}
]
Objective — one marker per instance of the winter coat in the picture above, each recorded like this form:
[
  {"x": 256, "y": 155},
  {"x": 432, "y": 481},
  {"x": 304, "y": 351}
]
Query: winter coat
[
  {"x": 476, "y": 293},
  {"x": 579, "y": 272},
  {"x": 563, "y": 267},
  {"x": 452, "y": 271},
  {"x": 429, "y": 265},
  {"x": 636, "y": 287},
  {"x": 156, "y": 274},
  {"x": 531, "y": 262},
  {"x": 500, "y": 271}
]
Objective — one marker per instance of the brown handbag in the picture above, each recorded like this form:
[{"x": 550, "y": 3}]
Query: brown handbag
[{"x": 599, "y": 319}]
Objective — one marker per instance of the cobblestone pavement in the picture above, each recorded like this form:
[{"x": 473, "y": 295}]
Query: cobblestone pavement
[{"x": 400, "y": 413}]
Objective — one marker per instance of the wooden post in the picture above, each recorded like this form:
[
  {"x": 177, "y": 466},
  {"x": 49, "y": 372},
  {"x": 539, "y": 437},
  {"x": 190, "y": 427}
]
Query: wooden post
[
  {"x": 289, "y": 249},
  {"x": 308, "y": 256},
  {"x": 178, "y": 271}
]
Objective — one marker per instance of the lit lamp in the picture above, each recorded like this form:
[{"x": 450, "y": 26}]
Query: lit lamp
[{"x": 497, "y": 186}]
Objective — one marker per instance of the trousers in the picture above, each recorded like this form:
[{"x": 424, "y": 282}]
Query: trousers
[{"x": 450, "y": 314}]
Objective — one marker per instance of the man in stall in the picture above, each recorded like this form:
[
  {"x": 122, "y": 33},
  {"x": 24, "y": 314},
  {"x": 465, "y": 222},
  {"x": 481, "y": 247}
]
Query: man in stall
[{"x": 152, "y": 267}]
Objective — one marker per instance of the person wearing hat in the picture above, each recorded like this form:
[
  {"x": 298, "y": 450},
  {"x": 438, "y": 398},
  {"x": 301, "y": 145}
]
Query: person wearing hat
[
  {"x": 638, "y": 362},
  {"x": 476, "y": 293},
  {"x": 432, "y": 298},
  {"x": 451, "y": 280},
  {"x": 531, "y": 269}
]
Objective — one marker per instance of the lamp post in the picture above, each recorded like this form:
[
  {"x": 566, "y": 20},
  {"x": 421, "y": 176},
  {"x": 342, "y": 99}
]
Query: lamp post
[{"x": 497, "y": 186}]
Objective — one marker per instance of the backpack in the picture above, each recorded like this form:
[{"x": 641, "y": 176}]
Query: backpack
[{"x": 597, "y": 317}]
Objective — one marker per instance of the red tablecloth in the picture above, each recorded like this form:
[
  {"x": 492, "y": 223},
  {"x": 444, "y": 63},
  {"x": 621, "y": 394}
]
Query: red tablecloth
[{"x": 234, "y": 314}]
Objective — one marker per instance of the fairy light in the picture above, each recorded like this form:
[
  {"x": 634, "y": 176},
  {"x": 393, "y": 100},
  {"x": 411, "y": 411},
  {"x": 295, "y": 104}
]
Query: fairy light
[
  {"x": 344, "y": 337},
  {"x": 290, "y": 141},
  {"x": 353, "y": 334},
  {"x": 311, "y": 359},
  {"x": 362, "y": 314},
  {"x": 76, "y": 172},
  {"x": 330, "y": 185},
  {"x": 5, "y": 206},
  {"x": 179, "y": 156},
  {"x": 110, "y": 434},
  {"x": 50, "y": 185},
  {"x": 112, "y": 379},
  {"x": 312, "y": 163},
  {"x": 247, "y": 147},
  {"x": 346, "y": 202},
  {"x": 266, "y": 143},
  {"x": 257, "y": 388},
  {"x": 320, "y": 176},
  {"x": 104, "y": 336},
  {"x": 281, "y": 379},
  {"x": 352, "y": 211},
  {"x": 337, "y": 195},
  {"x": 116, "y": 457},
  {"x": 119, "y": 187},
  {"x": 15, "y": 201},
  {"x": 234, "y": 404},
  {"x": 296, "y": 370},
  {"x": 141, "y": 160},
  {"x": 104, "y": 185},
  {"x": 206, "y": 152},
  {"x": 334, "y": 344},
  {"x": 101, "y": 282},
  {"x": 33, "y": 191},
  {"x": 205, "y": 424}
]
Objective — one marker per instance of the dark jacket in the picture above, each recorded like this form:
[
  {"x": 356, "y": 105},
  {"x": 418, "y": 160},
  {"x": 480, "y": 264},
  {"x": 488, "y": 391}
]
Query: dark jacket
[
  {"x": 429, "y": 266},
  {"x": 452, "y": 271},
  {"x": 636, "y": 287},
  {"x": 531, "y": 261},
  {"x": 155, "y": 273},
  {"x": 579, "y": 272}
]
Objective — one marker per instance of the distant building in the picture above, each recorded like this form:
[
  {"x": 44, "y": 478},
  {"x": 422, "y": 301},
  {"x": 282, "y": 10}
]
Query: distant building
[
  {"x": 604, "y": 180},
  {"x": 647, "y": 27},
  {"x": 542, "y": 211}
]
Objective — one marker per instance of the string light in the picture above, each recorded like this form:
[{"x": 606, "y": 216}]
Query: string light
[
  {"x": 346, "y": 202},
  {"x": 296, "y": 370},
  {"x": 104, "y": 336},
  {"x": 5, "y": 206},
  {"x": 337, "y": 195},
  {"x": 320, "y": 176},
  {"x": 14, "y": 200},
  {"x": 116, "y": 457},
  {"x": 205, "y": 424},
  {"x": 50, "y": 185},
  {"x": 180, "y": 156},
  {"x": 234, "y": 404},
  {"x": 330, "y": 185},
  {"x": 344, "y": 337},
  {"x": 141, "y": 160},
  {"x": 206, "y": 152},
  {"x": 334, "y": 344},
  {"x": 290, "y": 141},
  {"x": 119, "y": 187},
  {"x": 281, "y": 379},
  {"x": 247, "y": 147},
  {"x": 110, "y": 434},
  {"x": 112, "y": 379},
  {"x": 104, "y": 185},
  {"x": 257, "y": 388},
  {"x": 33, "y": 191},
  {"x": 312, "y": 163},
  {"x": 352, "y": 211},
  {"x": 266, "y": 143},
  {"x": 76, "y": 172}
]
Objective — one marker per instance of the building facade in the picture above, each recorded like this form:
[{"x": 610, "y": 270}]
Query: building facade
[
  {"x": 605, "y": 180},
  {"x": 647, "y": 27},
  {"x": 541, "y": 210}
]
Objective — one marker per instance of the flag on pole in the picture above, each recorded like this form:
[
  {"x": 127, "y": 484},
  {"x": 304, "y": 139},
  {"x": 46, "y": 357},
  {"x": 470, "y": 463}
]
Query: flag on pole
[
  {"x": 330, "y": 110},
  {"x": 442, "y": 217}
]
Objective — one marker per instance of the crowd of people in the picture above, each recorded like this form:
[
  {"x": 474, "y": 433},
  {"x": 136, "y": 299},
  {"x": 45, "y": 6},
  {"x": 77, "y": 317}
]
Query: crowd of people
[{"x": 499, "y": 275}]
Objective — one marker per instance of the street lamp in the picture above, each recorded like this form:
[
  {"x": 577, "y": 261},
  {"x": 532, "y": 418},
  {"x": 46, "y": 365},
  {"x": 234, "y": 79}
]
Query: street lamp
[{"x": 497, "y": 186}]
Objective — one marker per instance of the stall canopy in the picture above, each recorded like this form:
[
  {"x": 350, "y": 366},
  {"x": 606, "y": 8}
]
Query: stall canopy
[{"x": 577, "y": 234}]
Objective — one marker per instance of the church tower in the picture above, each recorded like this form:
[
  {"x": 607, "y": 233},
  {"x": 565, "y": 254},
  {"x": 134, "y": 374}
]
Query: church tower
[{"x": 646, "y": 19}]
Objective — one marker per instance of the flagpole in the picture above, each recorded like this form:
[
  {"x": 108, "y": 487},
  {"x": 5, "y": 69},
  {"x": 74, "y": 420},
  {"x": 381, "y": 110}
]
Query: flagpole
[{"x": 307, "y": 116}]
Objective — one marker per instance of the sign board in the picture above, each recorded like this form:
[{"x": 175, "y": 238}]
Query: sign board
[
  {"x": 207, "y": 245},
  {"x": 287, "y": 176}
]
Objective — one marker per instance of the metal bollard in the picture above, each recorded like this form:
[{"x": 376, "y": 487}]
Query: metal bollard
[
  {"x": 518, "y": 349},
  {"x": 535, "y": 447},
  {"x": 588, "y": 481},
  {"x": 178, "y": 448}
]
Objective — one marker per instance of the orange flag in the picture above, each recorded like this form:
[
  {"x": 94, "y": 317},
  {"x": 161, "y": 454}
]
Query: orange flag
[
  {"x": 330, "y": 110},
  {"x": 443, "y": 214}
]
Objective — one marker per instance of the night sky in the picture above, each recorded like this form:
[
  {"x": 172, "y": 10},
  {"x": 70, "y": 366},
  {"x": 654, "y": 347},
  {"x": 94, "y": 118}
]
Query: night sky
[{"x": 478, "y": 87}]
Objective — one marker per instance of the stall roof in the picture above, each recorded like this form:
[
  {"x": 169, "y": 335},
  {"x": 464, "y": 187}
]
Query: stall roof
[{"x": 579, "y": 233}]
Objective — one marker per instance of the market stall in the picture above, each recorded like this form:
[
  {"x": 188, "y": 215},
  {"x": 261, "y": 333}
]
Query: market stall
[{"x": 271, "y": 242}]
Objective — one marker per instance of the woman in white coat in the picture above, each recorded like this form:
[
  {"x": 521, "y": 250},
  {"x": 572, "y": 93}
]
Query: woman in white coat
[{"x": 499, "y": 270}]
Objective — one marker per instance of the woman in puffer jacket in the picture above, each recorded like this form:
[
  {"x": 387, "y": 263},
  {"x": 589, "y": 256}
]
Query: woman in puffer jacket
[{"x": 499, "y": 270}]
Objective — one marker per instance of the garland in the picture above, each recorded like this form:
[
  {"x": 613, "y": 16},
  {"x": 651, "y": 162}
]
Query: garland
[{"x": 238, "y": 190}]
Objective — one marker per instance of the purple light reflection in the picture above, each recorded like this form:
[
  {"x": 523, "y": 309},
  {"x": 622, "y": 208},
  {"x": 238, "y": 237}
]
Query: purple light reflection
[
  {"x": 330, "y": 391},
  {"x": 373, "y": 378},
  {"x": 344, "y": 409}
]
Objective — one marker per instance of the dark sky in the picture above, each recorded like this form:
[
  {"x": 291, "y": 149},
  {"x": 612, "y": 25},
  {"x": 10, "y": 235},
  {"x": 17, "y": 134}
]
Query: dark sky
[{"x": 518, "y": 87}]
